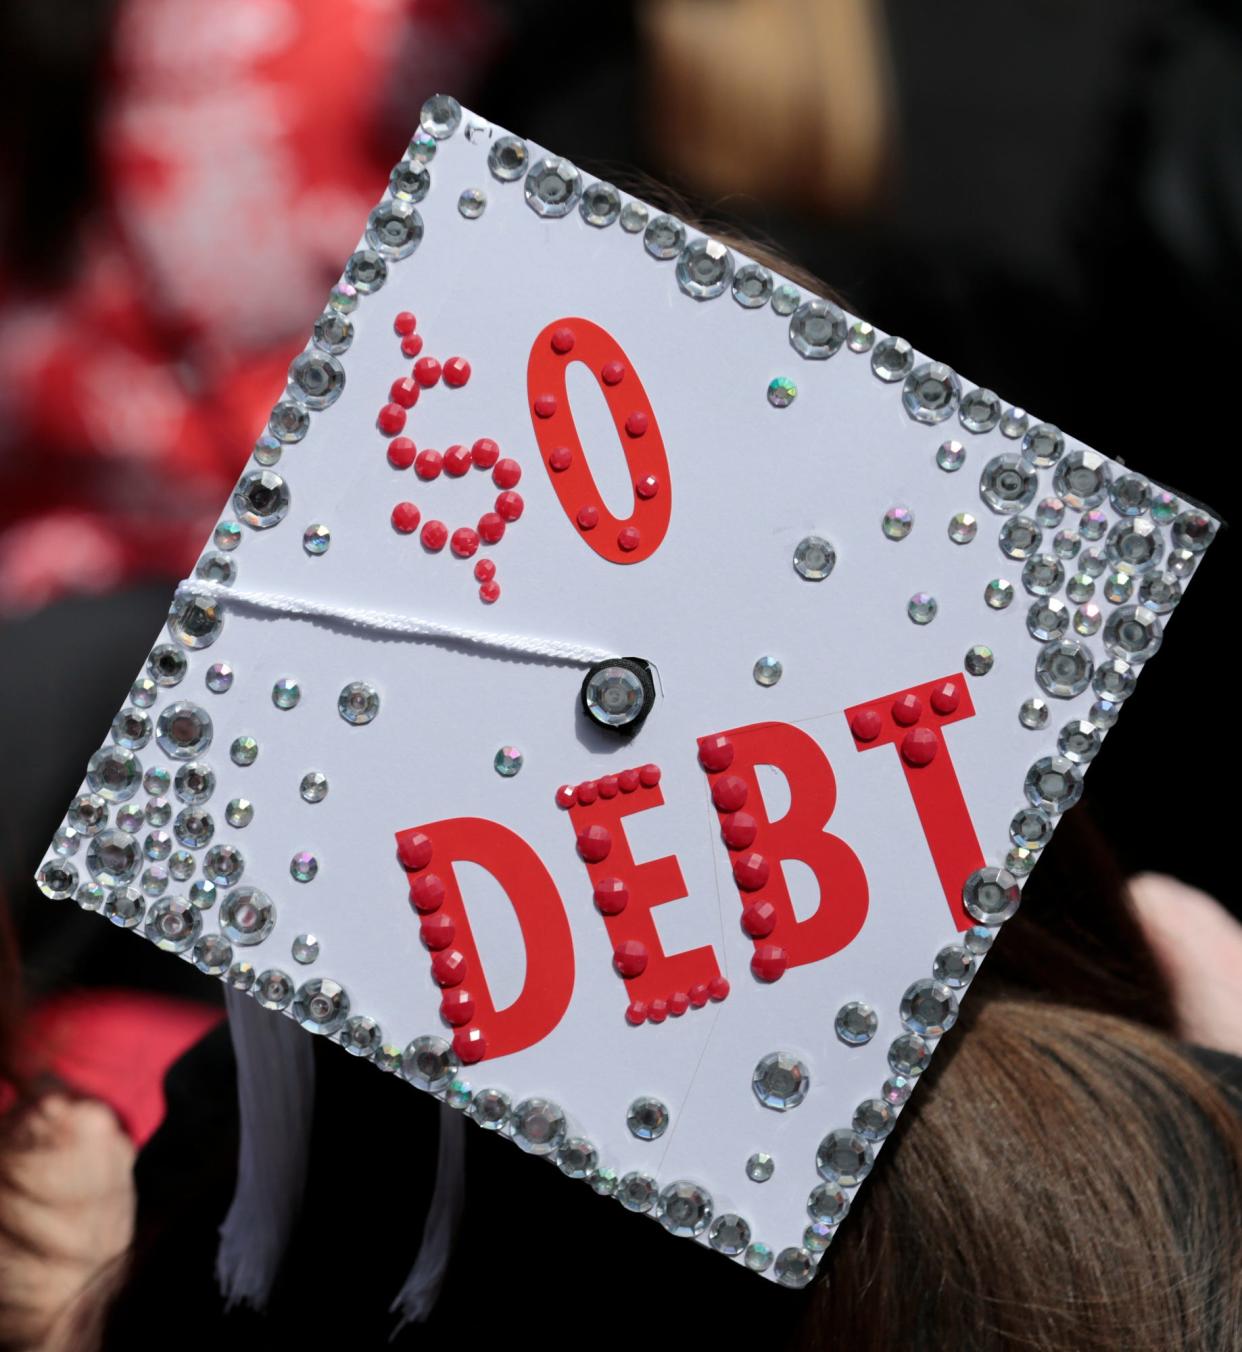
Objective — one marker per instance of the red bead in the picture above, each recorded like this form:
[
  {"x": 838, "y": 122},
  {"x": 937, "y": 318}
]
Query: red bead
[
  {"x": 612, "y": 372},
  {"x": 426, "y": 371},
  {"x": 647, "y": 487},
  {"x": 404, "y": 323},
  {"x": 611, "y": 896},
  {"x": 649, "y": 776},
  {"x": 404, "y": 392},
  {"x": 729, "y": 793},
  {"x": 588, "y": 792},
  {"x": 738, "y": 830},
  {"x": 907, "y": 709},
  {"x": 507, "y": 473},
  {"x": 427, "y": 893},
  {"x": 698, "y": 995},
  {"x": 401, "y": 453},
  {"x": 470, "y": 1045},
  {"x": 715, "y": 754},
  {"x": 560, "y": 459},
  {"x": 411, "y": 345},
  {"x": 438, "y": 931},
  {"x": 545, "y": 405},
  {"x": 657, "y": 1011},
  {"x": 449, "y": 967},
  {"x": 405, "y": 517},
  {"x": 434, "y": 536},
  {"x": 588, "y": 517},
  {"x": 391, "y": 419},
  {"x": 428, "y": 464},
  {"x": 866, "y": 725},
  {"x": 769, "y": 962},
  {"x": 415, "y": 851},
  {"x": 751, "y": 872},
  {"x": 489, "y": 592},
  {"x": 678, "y": 1003},
  {"x": 562, "y": 339},
  {"x": 485, "y": 569},
  {"x": 456, "y": 372},
  {"x": 636, "y": 1012},
  {"x": 594, "y": 842},
  {"x": 608, "y": 786},
  {"x": 484, "y": 453},
  {"x": 509, "y": 505},
  {"x": 759, "y": 919},
  {"x": 945, "y": 698},
  {"x": 628, "y": 780},
  {"x": 491, "y": 528},
  {"x": 566, "y": 796},
  {"x": 718, "y": 987},
  {"x": 919, "y": 746},
  {"x": 630, "y": 958},
  {"x": 628, "y": 538},
  {"x": 456, "y": 461},
  {"x": 636, "y": 423},
  {"x": 457, "y": 1007},
  {"x": 465, "y": 542}
]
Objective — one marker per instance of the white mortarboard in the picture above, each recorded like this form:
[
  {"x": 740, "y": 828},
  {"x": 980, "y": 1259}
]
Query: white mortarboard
[{"x": 624, "y": 696}]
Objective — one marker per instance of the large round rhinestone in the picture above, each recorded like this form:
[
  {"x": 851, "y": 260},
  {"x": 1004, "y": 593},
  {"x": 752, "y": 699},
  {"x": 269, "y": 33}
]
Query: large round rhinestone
[
  {"x": 538, "y": 1126},
  {"x": 817, "y": 329},
  {"x": 1054, "y": 783},
  {"x": 114, "y": 773},
  {"x": 553, "y": 186},
  {"x": 1064, "y": 668},
  {"x": 321, "y": 1006},
  {"x": 114, "y": 857},
  {"x": 615, "y": 696},
  {"x": 1133, "y": 633},
  {"x": 318, "y": 378},
  {"x": 929, "y": 1008},
  {"x": 980, "y": 410},
  {"x": 780, "y": 1081},
  {"x": 814, "y": 558},
  {"x": 1082, "y": 479},
  {"x": 704, "y": 269},
  {"x": 684, "y": 1208},
  {"x": 931, "y": 392},
  {"x": 173, "y": 924},
  {"x": 394, "y": 228},
  {"x": 247, "y": 916},
  {"x": 1008, "y": 484},
  {"x": 261, "y": 498},
  {"x": 430, "y": 1063},
  {"x": 843, "y": 1157},
  {"x": 194, "y": 620},
  {"x": 752, "y": 286},
  {"x": 184, "y": 730}
]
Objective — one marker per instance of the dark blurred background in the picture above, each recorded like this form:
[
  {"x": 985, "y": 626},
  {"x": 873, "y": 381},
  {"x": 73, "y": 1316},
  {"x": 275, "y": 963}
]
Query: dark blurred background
[{"x": 1047, "y": 194}]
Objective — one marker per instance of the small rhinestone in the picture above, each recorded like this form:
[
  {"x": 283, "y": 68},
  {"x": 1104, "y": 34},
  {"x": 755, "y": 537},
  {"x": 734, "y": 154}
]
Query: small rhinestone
[
  {"x": 244, "y": 751},
  {"x": 303, "y": 867},
  {"x": 814, "y": 558},
  {"x": 782, "y": 392},
  {"x": 767, "y": 671},
  {"x": 316, "y": 539},
  {"x": 963, "y": 528},
  {"x": 508, "y": 761},
  {"x": 305, "y": 949},
  {"x": 752, "y": 286},
  {"x": 219, "y": 677},
  {"x": 856, "y": 1023},
  {"x": 472, "y": 203},
  {"x": 239, "y": 812},
  {"x": 600, "y": 205},
  {"x": 785, "y": 299},
  {"x": 922, "y": 607},
  {"x": 951, "y": 456},
  {"x": 897, "y": 523},
  {"x": 760, "y": 1167},
  {"x": 358, "y": 703},
  {"x": 980, "y": 411},
  {"x": 892, "y": 359},
  {"x": 780, "y": 1081},
  {"x": 286, "y": 693},
  {"x": 980, "y": 659},
  {"x": 646, "y": 1118},
  {"x": 314, "y": 786}
]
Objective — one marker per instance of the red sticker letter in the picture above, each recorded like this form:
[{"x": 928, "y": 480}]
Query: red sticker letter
[
  {"x": 911, "y": 721},
  {"x": 428, "y": 853},
  {"x": 641, "y": 533}
]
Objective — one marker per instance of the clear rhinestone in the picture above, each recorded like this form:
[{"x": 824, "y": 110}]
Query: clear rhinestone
[
  {"x": 767, "y": 671},
  {"x": 874, "y": 1119},
  {"x": 167, "y": 664},
  {"x": 212, "y": 954},
  {"x": 125, "y": 907},
  {"x": 817, "y": 329},
  {"x": 1082, "y": 480},
  {"x": 1080, "y": 588},
  {"x": 244, "y": 751},
  {"x": 1160, "y": 593},
  {"x": 577, "y": 1157},
  {"x": 1050, "y": 513},
  {"x": 1019, "y": 861},
  {"x": 1064, "y": 668},
  {"x": 194, "y": 827},
  {"x": 181, "y": 865},
  {"x": 219, "y": 678},
  {"x": 66, "y": 842},
  {"x": 980, "y": 659},
  {"x": 758, "y": 1257},
  {"x": 1043, "y": 445},
  {"x": 538, "y": 1126},
  {"x": 224, "y": 865},
  {"x": 173, "y": 924},
  {"x": 760, "y": 1167},
  {"x": 646, "y": 1118},
  {"x": 978, "y": 939},
  {"x": 317, "y": 378},
  {"x": 1078, "y": 742},
  {"x": 1103, "y": 713},
  {"x": 781, "y": 392},
  {"x": 1180, "y": 563},
  {"x": 896, "y": 1090},
  {"x": 600, "y": 205},
  {"x": 856, "y": 1023},
  {"x": 472, "y": 203},
  {"x": 980, "y": 411},
  {"x": 1020, "y": 537},
  {"x": 113, "y": 857},
  {"x": 1031, "y": 827},
  {"x": 440, "y": 116},
  {"x": 216, "y": 567},
  {"x": 922, "y": 607},
  {"x": 157, "y": 781},
  {"x": 991, "y": 895},
  {"x": 951, "y": 456},
  {"x": 303, "y": 867},
  {"x": 154, "y": 880},
  {"x": 1193, "y": 531},
  {"x": 130, "y": 818},
  {"x": 195, "y": 782},
  {"x": 366, "y": 271},
  {"x": 1014, "y": 423},
  {"x": 240, "y": 976},
  {"x": 314, "y": 786},
  {"x": 1115, "y": 679},
  {"x": 1008, "y": 484},
  {"x": 929, "y": 1007},
  {"x": 409, "y": 180},
  {"x": 614, "y": 696},
  {"x": 752, "y": 286},
  {"x": 195, "y": 621},
  {"x": 183, "y": 730},
  {"x": 358, "y": 703},
  {"x": 361, "y": 1036},
  {"x": 131, "y": 728},
  {"x": 637, "y": 1192},
  {"x": 88, "y": 814},
  {"x": 333, "y": 332},
  {"x": 828, "y": 1204},
  {"x": 603, "y": 1181},
  {"x": 1133, "y": 633},
  {"x": 114, "y": 773},
  {"x": 508, "y": 158},
  {"x": 931, "y": 392},
  {"x": 1093, "y": 524},
  {"x": 289, "y": 422},
  {"x": 953, "y": 965},
  {"x": 286, "y": 693},
  {"x": 1134, "y": 546},
  {"x": 274, "y": 989},
  {"x": 780, "y": 1081},
  {"x": 785, "y": 299},
  {"x": 1054, "y": 783},
  {"x": 892, "y": 359},
  {"x": 1066, "y": 543},
  {"x": 704, "y": 269},
  {"x": 909, "y": 1055},
  {"x": 1047, "y": 619},
  {"x": 343, "y": 298},
  {"x": 633, "y": 217},
  {"x": 321, "y": 1006},
  {"x": 247, "y": 916},
  {"x": 490, "y": 1109},
  {"x": 861, "y": 336},
  {"x": 1043, "y": 574},
  {"x": 394, "y": 229},
  {"x": 814, "y": 558},
  {"x": 430, "y": 1063},
  {"x": 227, "y": 535},
  {"x": 1163, "y": 506},
  {"x": 261, "y": 498},
  {"x": 843, "y": 1157},
  {"x": 729, "y": 1234},
  {"x": 203, "y": 894},
  {"x": 553, "y": 187},
  {"x": 143, "y": 692},
  {"x": 1129, "y": 494},
  {"x": 963, "y": 528},
  {"x": 897, "y": 523},
  {"x": 507, "y": 761},
  {"x": 665, "y": 237},
  {"x": 684, "y": 1208},
  {"x": 239, "y": 812}
]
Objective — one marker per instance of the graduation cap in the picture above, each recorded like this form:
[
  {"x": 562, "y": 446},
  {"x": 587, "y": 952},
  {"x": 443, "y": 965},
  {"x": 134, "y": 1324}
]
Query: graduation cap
[{"x": 624, "y": 695}]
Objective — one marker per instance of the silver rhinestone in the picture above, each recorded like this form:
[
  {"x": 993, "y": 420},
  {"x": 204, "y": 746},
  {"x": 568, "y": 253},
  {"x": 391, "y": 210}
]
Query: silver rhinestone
[
  {"x": 665, "y": 237},
  {"x": 922, "y": 607},
  {"x": 203, "y": 895},
  {"x": 317, "y": 378},
  {"x": 928, "y": 1008},
  {"x": 334, "y": 332},
  {"x": 224, "y": 865},
  {"x": 1193, "y": 531},
  {"x": 951, "y": 456},
  {"x": 767, "y": 671},
  {"x": 286, "y": 693},
  {"x": 896, "y": 1090},
  {"x": 507, "y": 761},
  {"x": 781, "y": 392},
  {"x": 125, "y": 907},
  {"x": 1082, "y": 479},
  {"x": 1080, "y": 588},
  {"x": 861, "y": 336},
  {"x": 167, "y": 665},
  {"x": 143, "y": 692},
  {"x": 1103, "y": 713},
  {"x": 991, "y": 895},
  {"x": 194, "y": 828},
  {"x": 1160, "y": 593},
  {"x": 183, "y": 730},
  {"x": 131, "y": 728},
  {"x": 440, "y": 116},
  {"x": 195, "y": 782},
  {"x": 1115, "y": 679},
  {"x": 394, "y": 230},
  {"x": 472, "y": 203},
  {"x": 1020, "y": 537},
  {"x": 303, "y": 867},
  {"x": 874, "y": 1119},
  {"x": 760, "y": 1167},
  {"x": 314, "y": 786},
  {"x": 817, "y": 329},
  {"x": 1180, "y": 563},
  {"x": 1133, "y": 633},
  {"x": 953, "y": 966},
  {"x": 227, "y": 535},
  {"x": 267, "y": 450},
  {"x": 490, "y": 1109},
  {"x": 1031, "y": 827},
  {"x": 409, "y": 180},
  {"x": 647, "y": 1118},
  {"x": 358, "y": 703},
  {"x": 508, "y": 157},
  {"x": 240, "y": 976},
  {"x": 856, "y": 1023},
  {"x": 261, "y": 499},
  {"x": 1014, "y": 423},
  {"x": 780, "y": 1081},
  {"x": 758, "y": 1257},
  {"x": 366, "y": 271},
  {"x": 1134, "y": 546},
  {"x": 892, "y": 359},
  {"x": 538, "y": 1126},
  {"x": 785, "y": 299},
  {"x": 577, "y": 1157},
  {"x": 637, "y": 1192},
  {"x": 963, "y": 528},
  {"x": 909, "y": 1055},
  {"x": 633, "y": 218},
  {"x": 212, "y": 954},
  {"x": 1050, "y": 512},
  {"x": 219, "y": 678},
  {"x": 88, "y": 814},
  {"x": 1008, "y": 484},
  {"x": 828, "y": 1203},
  {"x": 343, "y": 298},
  {"x": 931, "y": 392},
  {"x": 247, "y": 916},
  {"x": 1064, "y": 668},
  {"x": 752, "y": 286},
  {"x": 1087, "y": 620},
  {"x": 684, "y": 1208},
  {"x": 289, "y": 422},
  {"x": 1043, "y": 445},
  {"x": 1054, "y": 783},
  {"x": 114, "y": 773},
  {"x": 239, "y": 812},
  {"x": 321, "y": 1006},
  {"x": 430, "y": 1063},
  {"x": 216, "y": 567},
  {"x": 1066, "y": 543},
  {"x": 113, "y": 857},
  {"x": 615, "y": 696},
  {"x": 195, "y": 621},
  {"x": 172, "y": 924},
  {"x": 729, "y": 1234},
  {"x": 704, "y": 269},
  {"x": 600, "y": 205},
  {"x": 1047, "y": 619},
  {"x": 794, "y": 1267},
  {"x": 1078, "y": 742},
  {"x": 977, "y": 940},
  {"x": 553, "y": 187},
  {"x": 843, "y": 1157},
  {"x": 980, "y": 411},
  {"x": 897, "y": 523},
  {"x": 979, "y": 659},
  {"x": 361, "y": 1036}
]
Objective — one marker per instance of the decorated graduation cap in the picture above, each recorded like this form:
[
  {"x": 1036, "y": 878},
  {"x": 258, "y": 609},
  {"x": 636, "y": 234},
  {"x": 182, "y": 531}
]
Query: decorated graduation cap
[{"x": 624, "y": 695}]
